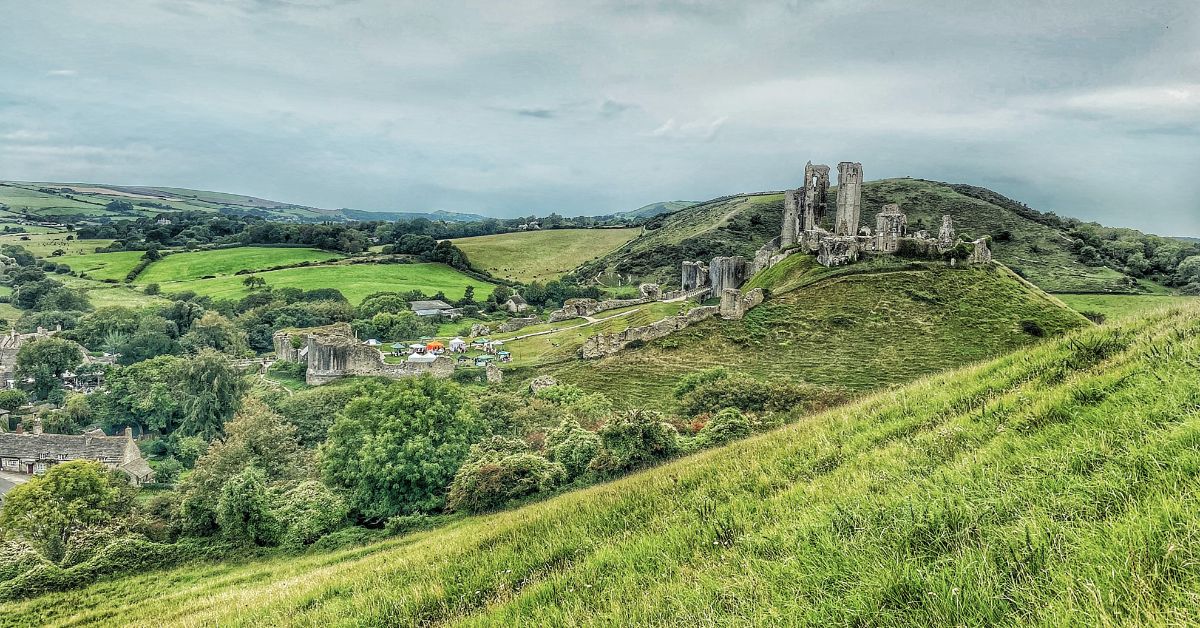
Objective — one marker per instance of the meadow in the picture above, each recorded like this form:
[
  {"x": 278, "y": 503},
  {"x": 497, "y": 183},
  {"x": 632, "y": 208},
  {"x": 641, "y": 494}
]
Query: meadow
[
  {"x": 527, "y": 256},
  {"x": 194, "y": 265},
  {"x": 1054, "y": 486},
  {"x": 1118, "y": 306},
  {"x": 113, "y": 266},
  {"x": 44, "y": 244},
  {"x": 355, "y": 281}
]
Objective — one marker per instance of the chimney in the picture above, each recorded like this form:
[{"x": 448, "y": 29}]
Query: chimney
[
  {"x": 128, "y": 433},
  {"x": 37, "y": 426}
]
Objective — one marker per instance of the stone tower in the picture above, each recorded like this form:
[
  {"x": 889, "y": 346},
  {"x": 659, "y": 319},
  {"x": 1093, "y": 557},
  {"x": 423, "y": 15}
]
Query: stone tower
[
  {"x": 816, "y": 185},
  {"x": 849, "y": 198},
  {"x": 791, "y": 217},
  {"x": 889, "y": 228},
  {"x": 946, "y": 235}
]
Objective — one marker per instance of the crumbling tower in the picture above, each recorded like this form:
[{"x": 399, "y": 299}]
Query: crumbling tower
[
  {"x": 890, "y": 226},
  {"x": 946, "y": 235},
  {"x": 791, "y": 217},
  {"x": 849, "y": 199},
  {"x": 816, "y": 185}
]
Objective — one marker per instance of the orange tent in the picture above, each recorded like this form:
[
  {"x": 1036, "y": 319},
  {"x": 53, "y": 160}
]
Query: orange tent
[{"x": 434, "y": 346}]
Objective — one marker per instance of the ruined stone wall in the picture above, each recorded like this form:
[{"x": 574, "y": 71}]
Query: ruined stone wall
[
  {"x": 734, "y": 304},
  {"x": 849, "y": 199},
  {"x": 576, "y": 308},
  {"x": 982, "y": 254},
  {"x": 890, "y": 226},
  {"x": 698, "y": 295},
  {"x": 839, "y": 250},
  {"x": 791, "y": 217},
  {"x": 727, "y": 272},
  {"x": 513, "y": 324},
  {"x": 609, "y": 343},
  {"x": 694, "y": 276},
  {"x": 283, "y": 347},
  {"x": 946, "y": 235},
  {"x": 762, "y": 258},
  {"x": 331, "y": 359},
  {"x": 816, "y": 189}
]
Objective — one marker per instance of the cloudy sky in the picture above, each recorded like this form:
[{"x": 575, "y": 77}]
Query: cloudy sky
[{"x": 1090, "y": 108}]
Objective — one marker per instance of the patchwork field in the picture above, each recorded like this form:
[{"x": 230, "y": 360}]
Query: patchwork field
[
  {"x": 842, "y": 328},
  {"x": 184, "y": 266},
  {"x": 541, "y": 255},
  {"x": 44, "y": 244},
  {"x": 355, "y": 281},
  {"x": 1056, "y": 486},
  {"x": 101, "y": 266}
]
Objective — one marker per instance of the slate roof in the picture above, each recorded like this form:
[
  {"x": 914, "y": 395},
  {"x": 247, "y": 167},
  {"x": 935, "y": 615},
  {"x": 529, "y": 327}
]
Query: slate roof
[
  {"x": 517, "y": 299},
  {"x": 49, "y": 446},
  {"x": 429, "y": 305}
]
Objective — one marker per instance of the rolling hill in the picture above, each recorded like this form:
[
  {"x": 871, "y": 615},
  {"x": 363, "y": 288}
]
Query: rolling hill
[
  {"x": 739, "y": 225},
  {"x": 855, "y": 327},
  {"x": 1054, "y": 486},
  {"x": 654, "y": 209},
  {"x": 540, "y": 255}
]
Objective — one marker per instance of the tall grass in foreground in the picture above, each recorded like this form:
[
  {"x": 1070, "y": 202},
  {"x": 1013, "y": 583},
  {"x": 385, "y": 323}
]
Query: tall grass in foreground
[{"x": 1055, "y": 486}]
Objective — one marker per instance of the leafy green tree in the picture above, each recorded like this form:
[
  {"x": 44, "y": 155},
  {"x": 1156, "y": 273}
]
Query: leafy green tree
[
  {"x": 396, "y": 452},
  {"x": 244, "y": 509},
  {"x": 382, "y": 303},
  {"x": 214, "y": 331},
  {"x": 210, "y": 390},
  {"x": 94, "y": 329},
  {"x": 45, "y": 360},
  {"x": 254, "y": 281},
  {"x": 12, "y": 399},
  {"x": 48, "y": 510},
  {"x": 256, "y": 437},
  {"x": 1188, "y": 271},
  {"x": 143, "y": 394},
  {"x": 312, "y": 411}
]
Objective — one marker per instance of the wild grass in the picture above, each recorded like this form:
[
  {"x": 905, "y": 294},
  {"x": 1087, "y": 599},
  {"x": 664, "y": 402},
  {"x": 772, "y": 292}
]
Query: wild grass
[
  {"x": 1117, "y": 306},
  {"x": 102, "y": 266},
  {"x": 1054, "y": 486},
  {"x": 540, "y": 255}
]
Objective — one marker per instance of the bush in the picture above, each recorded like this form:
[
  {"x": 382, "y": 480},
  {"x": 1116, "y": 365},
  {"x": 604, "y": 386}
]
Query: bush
[
  {"x": 1095, "y": 317},
  {"x": 152, "y": 289},
  {"x": 561, "y": 394},
  {"x": 310, "y": 511},
  {"x": 573, "y": 447},
  {"x": 694, "y": 380},
  {"x": 632, "y": 440},
  {"x": 498, "y": 471},
  {"x": 166, "y": 471},
  {"x": 243, "y": 510},
  {"x": 470, "y": 375},
  {"x": 726, "y": 426},
  {"x": 750, "y": 395}
]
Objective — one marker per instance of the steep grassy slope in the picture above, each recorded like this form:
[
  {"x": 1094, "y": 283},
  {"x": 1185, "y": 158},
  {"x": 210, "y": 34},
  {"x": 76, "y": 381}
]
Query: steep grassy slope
[
  {"x": 1116, "y": 306},
  {"x": 527, "y": 256},
  {"x": 857, "y": 327},
  {"x": 741, "y": 224},
  {"x": 654, "y": 209},
  {"x": 1055, "y": 486}
]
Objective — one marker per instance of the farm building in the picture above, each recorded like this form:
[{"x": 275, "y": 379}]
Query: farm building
[
  {"x": 430, "y": 308},
  {"x": 35, "y": 452},
  {"x": 516, "y": 304}
]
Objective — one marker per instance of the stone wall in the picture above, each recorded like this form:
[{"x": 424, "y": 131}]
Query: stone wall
[
  {"x": 576, "y": 308},
  {"x": 849, "y": 199},
  {"x": 734, "y": 304},
  {"x": 694, "y": 276},
  {"x": 727, "y": 272},
  {"x": 513, "y": 324},
  {"x": 791, "y": 217},
  {"x": 604, "y": 344},
  {"x": 762, "y": 258}
]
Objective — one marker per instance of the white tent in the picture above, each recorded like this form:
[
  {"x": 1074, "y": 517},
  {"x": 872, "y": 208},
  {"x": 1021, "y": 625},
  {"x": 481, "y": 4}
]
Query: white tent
[
  {"x": 422, "y": 358},
  {"x": 457, "y": 344}
]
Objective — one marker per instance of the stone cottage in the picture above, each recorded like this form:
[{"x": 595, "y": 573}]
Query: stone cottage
[{"x": 34, "y": 452}]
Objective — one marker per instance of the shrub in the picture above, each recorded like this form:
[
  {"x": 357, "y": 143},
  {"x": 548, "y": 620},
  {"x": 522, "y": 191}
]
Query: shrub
[
  {"x": 166, "y": 471},
  {"x": 693, "y": 380},
  {"x": 310, "y": 511},
  {"x": 634, "y": 439},
  {"x": 470, "y": 375},
  {"x": 243, "y": 510},
  {"x": 726, "y": 426},
  {"x": 499, "y": 470},
  {"x": 561, "y": 394},
  {"x": 572, "y": 446},
  {"x": 152, "y": 289}
]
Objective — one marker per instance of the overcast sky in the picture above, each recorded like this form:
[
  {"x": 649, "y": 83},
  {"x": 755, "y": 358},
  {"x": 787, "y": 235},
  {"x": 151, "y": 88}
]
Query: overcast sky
[{"x": 1090, "y": 108}]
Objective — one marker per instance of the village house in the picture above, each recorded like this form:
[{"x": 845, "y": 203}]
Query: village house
[
  {"x": 431, "y": 308},
  {"x": 34, "y": 452},
  {"x": 516, "y": 304}
]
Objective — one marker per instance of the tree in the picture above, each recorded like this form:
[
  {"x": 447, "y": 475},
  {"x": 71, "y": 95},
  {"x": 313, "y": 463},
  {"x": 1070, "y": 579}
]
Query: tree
[
  {"x": 214, "y": 331},
  {"x": 254, "y": 281},
  {"x": 143, "y": 394},
  {"x": 210, "y": 390},
  {"x": 310, "y": 511},
  {"x": 256, "y": 437},
  {"x": 244, "y": 509},
  {"x": 1188, "y": 270},
  {"x": 396, "y": 452},
  {"x": 45, "y": 361},
  {"x": 572, "y": 446},
  {"x": 48, "y": 510}
]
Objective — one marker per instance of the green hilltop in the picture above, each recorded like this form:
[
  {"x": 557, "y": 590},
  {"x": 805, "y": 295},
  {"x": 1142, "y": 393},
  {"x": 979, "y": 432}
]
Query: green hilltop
[
  {"x": 1053, "y": 486},
  {"x": 854, "y": 327},
  {"x": 1039, "y": 246}
]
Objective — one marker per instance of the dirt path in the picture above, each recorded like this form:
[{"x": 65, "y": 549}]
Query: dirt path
[{"x": 590, "y": 321}]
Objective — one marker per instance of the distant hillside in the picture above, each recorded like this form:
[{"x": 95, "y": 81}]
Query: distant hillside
[
  {"x": 1055, "y": 486},
  {"x": 654, "y": 209},
  {"x": 739, "y": 225},
  {"x": 857, "y": 327},
  {"x": 58, "y": 201}
]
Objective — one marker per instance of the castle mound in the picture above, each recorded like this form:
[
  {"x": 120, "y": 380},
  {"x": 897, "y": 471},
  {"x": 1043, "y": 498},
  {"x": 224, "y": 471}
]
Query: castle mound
[
  {"x": 1039, "y": 488},
  {"x": 739, "y": 225},
  {"x": 858, "y": 327}
]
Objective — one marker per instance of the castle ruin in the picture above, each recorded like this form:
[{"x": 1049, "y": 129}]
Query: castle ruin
[{"x": 332, "y": 352}]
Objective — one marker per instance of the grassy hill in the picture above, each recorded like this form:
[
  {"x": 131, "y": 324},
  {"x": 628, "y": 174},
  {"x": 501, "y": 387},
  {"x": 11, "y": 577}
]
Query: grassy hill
[
  {"x": 857, "y": 327},
  {"x": 739, "y": 225},
  {"x": 527, "y": 256},
  {"x": 218, "y": 262},
  {"x": 1053, "y": 486},
  {"x": 654, "y": 209}
]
